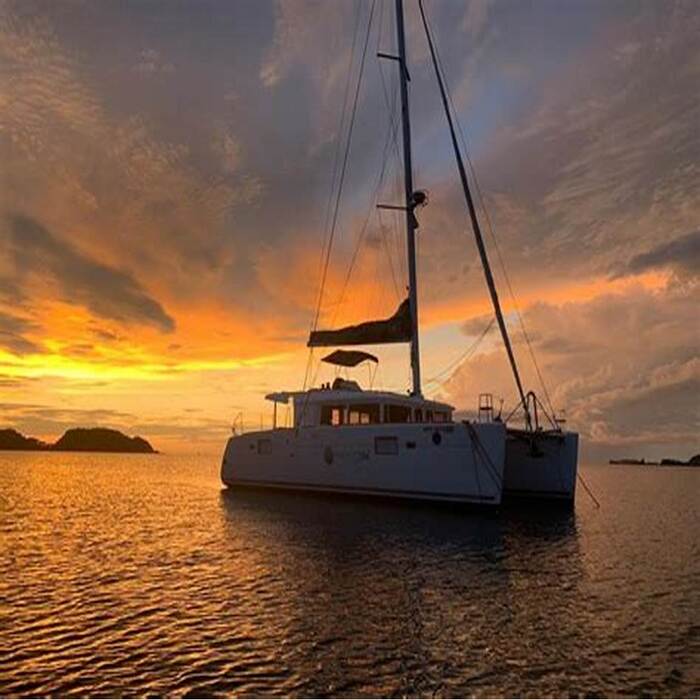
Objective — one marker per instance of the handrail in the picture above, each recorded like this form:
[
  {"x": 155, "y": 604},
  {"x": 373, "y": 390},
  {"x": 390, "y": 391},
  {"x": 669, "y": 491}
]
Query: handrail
[{"x": 237, "y": 419}]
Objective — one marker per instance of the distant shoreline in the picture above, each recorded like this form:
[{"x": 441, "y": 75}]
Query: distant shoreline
[
  {"x": 665, "y": 462},
  {"x": 35, "y": 450},
  {"x": 105, "y": 440}
]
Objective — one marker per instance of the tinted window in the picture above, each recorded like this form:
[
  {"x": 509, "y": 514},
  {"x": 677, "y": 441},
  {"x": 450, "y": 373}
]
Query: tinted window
[
  {"x": 331, "y": 415},
  {"x": 363, "y": 414},
  {"x": 397, "y": 414}
]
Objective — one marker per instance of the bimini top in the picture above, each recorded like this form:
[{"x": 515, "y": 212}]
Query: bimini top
[{"x": 349, "y": 358}]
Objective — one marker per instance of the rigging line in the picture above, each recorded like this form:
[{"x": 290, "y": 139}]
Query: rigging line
[
  {"x": 341, "y": 131},
  {"x": 343, "y": 170},
  {"x": 391, "y": 132},
  {"x": 385, "y": 245},
  {"x": 338, "y": 147},
  {"x": 389, "y": 236},
  {"x": 363, "y": 231},
  {"x": 391, "y": 107},
  {"x": 472, "y": 214},
  {"x": 435, "y": 379},
  {"x": 501, "y": 263},
  {"x": 397, "y": 252},
  {"x": 588, "y": 490},
  {"x": 394, "y": 122},
  {"x": 492, "y": 233},
  {"x": 380, "y": 25},
  {"x": 334, "y": 175},
  {"x": 476, "y": 442}
]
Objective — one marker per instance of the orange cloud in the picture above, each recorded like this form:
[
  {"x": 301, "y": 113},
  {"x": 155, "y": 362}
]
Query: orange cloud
[{"x": 462, "y": 309}]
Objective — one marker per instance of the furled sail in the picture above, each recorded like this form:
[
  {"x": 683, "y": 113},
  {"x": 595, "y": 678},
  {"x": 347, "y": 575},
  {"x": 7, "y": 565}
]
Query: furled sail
[{"x": 396, "y": 329}]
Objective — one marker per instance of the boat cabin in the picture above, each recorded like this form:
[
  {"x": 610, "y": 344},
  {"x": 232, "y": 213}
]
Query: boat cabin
[{"x": 345, "y": 403}]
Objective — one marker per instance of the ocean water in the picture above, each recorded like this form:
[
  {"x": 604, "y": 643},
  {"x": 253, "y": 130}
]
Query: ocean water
[{"x": 132, "y": 575}]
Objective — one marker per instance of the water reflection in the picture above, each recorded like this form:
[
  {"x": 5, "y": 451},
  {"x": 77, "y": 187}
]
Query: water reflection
[
  {"x": 127, "y": 575},
  {"x": 409, "y": 598}
]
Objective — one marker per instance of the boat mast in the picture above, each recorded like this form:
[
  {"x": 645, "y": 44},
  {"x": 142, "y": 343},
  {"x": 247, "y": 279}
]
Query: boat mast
[
  {"x": 475, "y": 223},
  {"x": 411, "y": 223}
]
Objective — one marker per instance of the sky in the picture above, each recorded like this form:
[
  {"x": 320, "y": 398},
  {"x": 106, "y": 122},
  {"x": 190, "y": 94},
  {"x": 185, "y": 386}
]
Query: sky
[{"x": 167, "y": 183}]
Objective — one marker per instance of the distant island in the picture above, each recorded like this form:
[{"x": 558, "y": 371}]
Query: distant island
[
  {"x": 77, "y": 440},
  {"x": 666, "y": 462}
]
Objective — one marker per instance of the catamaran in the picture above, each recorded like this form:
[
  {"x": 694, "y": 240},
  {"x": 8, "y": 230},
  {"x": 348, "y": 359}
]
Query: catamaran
[{"x": 347, "y": 439}]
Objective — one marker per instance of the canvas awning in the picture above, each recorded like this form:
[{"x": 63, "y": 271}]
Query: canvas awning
[
  {"x": 279, "y": 397},
  {"x": 396, "y": 329},
  {"x": 348, "y": 358}
]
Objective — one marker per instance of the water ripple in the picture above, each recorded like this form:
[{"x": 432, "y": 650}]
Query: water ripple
[{"x": 132, "y": 576}]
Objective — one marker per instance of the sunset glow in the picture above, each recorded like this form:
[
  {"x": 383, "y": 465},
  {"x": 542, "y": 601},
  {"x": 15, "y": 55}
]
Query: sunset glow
[{"x": 162, "y": 210}]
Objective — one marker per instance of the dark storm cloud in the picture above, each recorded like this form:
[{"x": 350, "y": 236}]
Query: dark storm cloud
[
  {"x": 682, "y": 253},
  {"x": 106, "y": 291}
]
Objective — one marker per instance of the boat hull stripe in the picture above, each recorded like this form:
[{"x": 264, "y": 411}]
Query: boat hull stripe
[{"x": 434, "y": 495}]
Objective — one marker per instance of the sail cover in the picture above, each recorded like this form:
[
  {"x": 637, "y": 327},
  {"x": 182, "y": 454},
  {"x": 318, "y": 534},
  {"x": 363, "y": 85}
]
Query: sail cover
[
  {"x": 348, "y": 358},
  {"x": 396, "y": 329}
]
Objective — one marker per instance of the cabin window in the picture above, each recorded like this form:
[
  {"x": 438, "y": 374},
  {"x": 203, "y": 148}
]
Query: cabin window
[
  {"x": 440, "y": 417},
  {"x": 386, "y": 446},
  {"x": 363, "y": 414},
  {"x": 264, "y": 447},
  {"x": 397, "y": 414},
  {"x": 332, "y": 415},
  {"x": 419, "y": 415}
]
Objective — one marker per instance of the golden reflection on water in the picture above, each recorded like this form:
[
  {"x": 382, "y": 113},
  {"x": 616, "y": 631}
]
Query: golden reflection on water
[{"x": 137, "y": 575}]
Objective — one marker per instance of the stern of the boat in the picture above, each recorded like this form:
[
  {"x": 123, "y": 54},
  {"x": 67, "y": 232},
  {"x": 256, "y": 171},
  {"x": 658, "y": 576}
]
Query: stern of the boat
[{"x": 541, "y": 465}]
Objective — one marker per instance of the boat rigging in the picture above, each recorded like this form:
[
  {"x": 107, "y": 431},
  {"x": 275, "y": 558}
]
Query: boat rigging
[{"x": 351, "y": 440}]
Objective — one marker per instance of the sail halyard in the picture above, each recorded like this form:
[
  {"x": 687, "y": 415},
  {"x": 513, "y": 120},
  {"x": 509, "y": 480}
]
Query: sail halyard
[{"x": 490, "y": 283}]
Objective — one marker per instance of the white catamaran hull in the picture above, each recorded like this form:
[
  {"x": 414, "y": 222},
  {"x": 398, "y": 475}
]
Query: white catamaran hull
[
  {"x": 451, "y": 462},
  {"x": 541, "y": 465}
]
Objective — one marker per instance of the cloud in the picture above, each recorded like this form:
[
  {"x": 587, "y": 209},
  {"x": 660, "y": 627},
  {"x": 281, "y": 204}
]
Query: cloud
[
  {"x": 160, "y": 199},
  {"x": 151, "y": 62},
  {"x": 682, "y": 253},
  {"x": 475, "y": 17},
  {"x": 106, "y": 291},
  {"x": 476, "y": 326},
  {"x": 86, "y": 149},
  {"x": 12, "y": 334},
  {"x": 623, "y": 366}
]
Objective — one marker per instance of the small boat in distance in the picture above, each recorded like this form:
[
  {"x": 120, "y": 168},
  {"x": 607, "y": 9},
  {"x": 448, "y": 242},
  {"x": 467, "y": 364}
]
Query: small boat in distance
[{"x": 346, "y": 439}]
